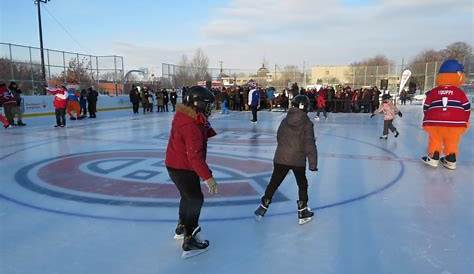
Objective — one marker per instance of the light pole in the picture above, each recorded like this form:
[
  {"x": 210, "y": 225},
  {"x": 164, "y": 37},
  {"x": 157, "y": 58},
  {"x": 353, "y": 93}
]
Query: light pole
[{"x": 43, "y": 69}]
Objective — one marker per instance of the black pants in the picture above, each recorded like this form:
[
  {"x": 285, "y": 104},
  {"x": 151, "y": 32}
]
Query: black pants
[
  {"x": 135, "y": 107},
  {"x": 323, "y": 110},
  {"x": 83, "y": 109},
  {"x": 388, "y": 124},
  {"x": 174, "y": 106},
  {"x": 165, "y": 107},
  {"x": 60, "y": 116},
  {"x": 254, "y": 113},
  {"x": 92, "y": 109},
  {"x": 190, "y": 205},
  {"x": 279, "y": 174}
]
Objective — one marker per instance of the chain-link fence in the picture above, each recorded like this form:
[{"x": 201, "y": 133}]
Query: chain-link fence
[
  {"x": 388, "y": 77},
  {"x": 22, "y": 64},
  {"x": 278, "y": 77}
]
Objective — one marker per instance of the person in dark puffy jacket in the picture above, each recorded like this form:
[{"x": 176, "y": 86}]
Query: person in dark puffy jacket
[{"x": 296, "y": 144}]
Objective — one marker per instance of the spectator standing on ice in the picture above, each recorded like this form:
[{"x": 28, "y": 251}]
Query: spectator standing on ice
[
  {"x": 83, "y": 103},
  {"x": 166, "y": 100},
  {"x": 60, "y": 103},
  {"x": 173, "y": 99},
  {"x": 134, "y": 99},
  {"x": 92, "y": 96},
  {"x": 4, "y": 98},
  {"x": 254, "y": 101},
  {"x": 17, "y": 109}
]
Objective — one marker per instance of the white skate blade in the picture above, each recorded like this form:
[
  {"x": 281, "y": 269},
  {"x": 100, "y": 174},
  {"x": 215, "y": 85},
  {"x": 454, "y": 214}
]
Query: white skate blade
[
  {"x": 192, "y": 253},
  {"x": 178, "y": 237},
  {"x": 258, "y": 218},
  {"x": 304, "y": 221}
]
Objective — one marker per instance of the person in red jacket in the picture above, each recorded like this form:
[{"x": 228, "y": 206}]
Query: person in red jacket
[
  {"x": 4, "y": 97},
  {"x": 186, "y": 163},
  {"x": 60, "y": 103},
  {"x": 446, "y": 115},
  {"x": 321, "y": 105}
]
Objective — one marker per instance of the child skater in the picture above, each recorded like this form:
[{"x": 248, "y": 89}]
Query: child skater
[
  {"x": 389, "y": 111},
  {"x": 296, "y": 143},
  {"x": 186, "y": 163}
]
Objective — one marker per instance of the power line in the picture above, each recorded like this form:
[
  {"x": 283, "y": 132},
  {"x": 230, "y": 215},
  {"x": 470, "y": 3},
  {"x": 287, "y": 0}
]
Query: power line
[{"x": 66, "y": 31}]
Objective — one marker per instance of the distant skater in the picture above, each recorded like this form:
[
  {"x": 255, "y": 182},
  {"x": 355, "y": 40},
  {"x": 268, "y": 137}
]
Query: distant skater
[{"x": 389, "y": 111}]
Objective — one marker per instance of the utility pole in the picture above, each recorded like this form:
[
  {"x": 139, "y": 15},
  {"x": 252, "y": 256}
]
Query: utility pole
[{"x": 43, "y": 68}]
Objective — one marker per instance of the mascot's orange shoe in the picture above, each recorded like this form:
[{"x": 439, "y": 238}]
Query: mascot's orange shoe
[{"x": 446, "y": 115}]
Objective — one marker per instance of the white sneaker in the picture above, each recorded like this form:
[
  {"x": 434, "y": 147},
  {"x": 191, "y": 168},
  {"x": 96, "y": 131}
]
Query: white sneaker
[
  {"x": 430, "y": 161},
  {"x": 316, "y": 118},
  {"x": 447, "y": 164}
]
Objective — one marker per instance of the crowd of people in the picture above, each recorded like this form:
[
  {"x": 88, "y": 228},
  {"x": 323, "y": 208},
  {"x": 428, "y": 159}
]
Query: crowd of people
[
  {"x": 325, "y": 98},
  {"x": 148, "y": 98},
  {"x": 12, "y": 103},
  {"x": 71, "y": 101}
]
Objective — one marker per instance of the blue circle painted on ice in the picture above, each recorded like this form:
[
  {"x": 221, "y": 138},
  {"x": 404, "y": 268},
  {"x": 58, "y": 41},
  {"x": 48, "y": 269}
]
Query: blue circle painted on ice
[{"x": 250, "y": 216}]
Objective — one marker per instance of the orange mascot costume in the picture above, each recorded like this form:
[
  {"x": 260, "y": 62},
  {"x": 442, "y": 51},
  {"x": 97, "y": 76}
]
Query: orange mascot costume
[
  {"x": 446, "y": 115},
  {"x": 73, "y": 104}
]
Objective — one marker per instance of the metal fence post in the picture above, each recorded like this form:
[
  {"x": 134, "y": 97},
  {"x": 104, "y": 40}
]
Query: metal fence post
[
  {"x": 425, "y": 84},
  {"x": 365, "y": 76},
  {"x": 64, "y": 67},
  {"x": 49, "y": 66},
  {"x": 122, "y": 75},
  {"x": 97, "y": 66},
  {"x": 115, "y": 75},
  {"x": 31, "y": 68},
  {"x": 11, "y": 62}
]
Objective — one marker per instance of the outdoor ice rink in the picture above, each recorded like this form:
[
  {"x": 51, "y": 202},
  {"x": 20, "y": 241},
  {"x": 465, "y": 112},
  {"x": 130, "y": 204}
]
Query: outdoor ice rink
[{"x": 96, "y": 198}]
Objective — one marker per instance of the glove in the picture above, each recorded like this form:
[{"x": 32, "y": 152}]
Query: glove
[
  {"x": 400, "y": 114},
  {"x": 212, "y": 185},
  {"x": 372, "y": 115}
]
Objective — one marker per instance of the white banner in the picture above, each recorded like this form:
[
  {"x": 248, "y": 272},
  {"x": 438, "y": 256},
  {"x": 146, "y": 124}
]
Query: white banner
[
  {"x": 44, "y": 104},
  {"x": 403, "y": 81}
]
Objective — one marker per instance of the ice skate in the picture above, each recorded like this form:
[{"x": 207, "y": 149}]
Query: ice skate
[
  {"x": 179, "y": 232},
  {"x": 262, "y": 209},
  {"x": 193, "y": 246},
  {"x": 433, "y": 162},
  {"x": 397, "y": 133},
  {"x": 383, "y": 137},
  {"x": 304, "y": 213},
  {"x": 449, "y": 161}
]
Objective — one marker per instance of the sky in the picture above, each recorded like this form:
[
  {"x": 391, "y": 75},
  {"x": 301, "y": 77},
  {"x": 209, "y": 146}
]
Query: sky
[{"x": 241, "y": 33}]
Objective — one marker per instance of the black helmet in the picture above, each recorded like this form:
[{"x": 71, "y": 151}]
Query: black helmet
[
  {"x": 301, "y": 102},
  {"x": 386, "y": 97},
  {"x": 201, "y": 99}
]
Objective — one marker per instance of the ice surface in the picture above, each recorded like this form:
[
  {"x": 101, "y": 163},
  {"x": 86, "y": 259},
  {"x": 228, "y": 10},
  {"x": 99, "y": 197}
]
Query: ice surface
[{"x": 95, "y": 198}]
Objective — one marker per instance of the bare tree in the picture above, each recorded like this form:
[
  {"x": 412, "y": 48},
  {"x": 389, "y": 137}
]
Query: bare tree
[
  {"x": 377, "y": 60},
  {"x": 200, "y": 66}
]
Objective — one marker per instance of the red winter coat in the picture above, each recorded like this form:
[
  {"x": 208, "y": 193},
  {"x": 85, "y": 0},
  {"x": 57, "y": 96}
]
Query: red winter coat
[
  {"x": 60, "y": 97},
  {"x": 446, "y": 106},
  {"x": 187, "y": 145},
  {"x": 6, "y": 97},
  {"x": 321, "y": 102}
]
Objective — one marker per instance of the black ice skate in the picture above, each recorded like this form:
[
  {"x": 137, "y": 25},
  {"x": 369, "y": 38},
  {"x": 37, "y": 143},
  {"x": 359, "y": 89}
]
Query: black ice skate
[
  {"x": 193, "y": 246},
  {"x": 304, "y": 213},
  {"x": 179, "y": 232},
  {"x": 262, "y": 209}
]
